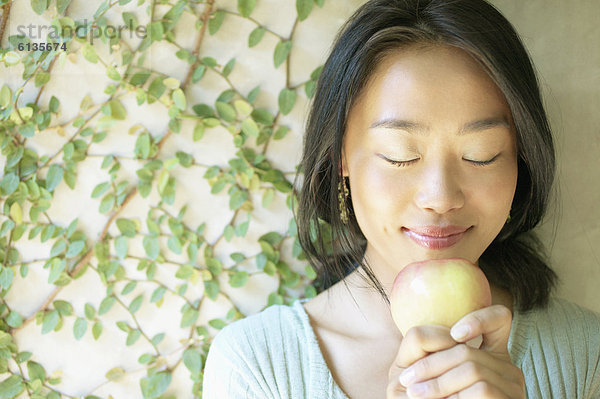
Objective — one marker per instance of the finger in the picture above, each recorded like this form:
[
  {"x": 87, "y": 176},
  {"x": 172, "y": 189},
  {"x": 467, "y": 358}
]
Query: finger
[
  {"x": 420, "y": 341},
  {"x": 481, "y": 390},
  {"x": 436, "y": 364},
  {"x": 492, "y": 322},
  {"x": 395, "y": 391},
  {"x": 462, "y": 377}
]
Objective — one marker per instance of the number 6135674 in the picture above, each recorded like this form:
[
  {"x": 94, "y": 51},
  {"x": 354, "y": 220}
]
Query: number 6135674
[{"x": 42, "y": 46}]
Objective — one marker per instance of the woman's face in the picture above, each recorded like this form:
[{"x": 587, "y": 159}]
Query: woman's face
[{"x": 430, "y": 143}]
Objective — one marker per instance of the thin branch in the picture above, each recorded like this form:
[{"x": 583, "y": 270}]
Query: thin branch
[
  {"x": 5, "y": 13},
  {"x": 204, "y": 19}
]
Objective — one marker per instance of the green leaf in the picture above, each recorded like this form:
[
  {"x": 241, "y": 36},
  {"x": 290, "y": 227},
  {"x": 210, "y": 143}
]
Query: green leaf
[
  {"x": 79, "y": 328},
  {"x": 287, "y": 99},
  {"x": 57, "y": 266},
  {"x": 97, "y": 330},
  {"x": 151, "y": 247},
  {"x": 134, "y": 306},
  {"x": 50, "y": 321},
  {"x": 250, "y": 127},
  {"x": 179, "y": 99},
  {"x": 282, "y": 50},
  {"x": 126, "y": 227},
  {"x": 63, "y": 307},
  {"x": 139, "y": 78},
  {"x": 58, "y": 247},
  {"x": 310, "y": 88},
  {"x": 89, "y": 53},
  {"x": 39, "y": 6},
  {"x": 75, "y": 248},
  {"x": 320, "y": 3},
  {"x": 14, "y": 319},
  {"x": 106, "y": 305},
  {"x": 198, "y": 73},
  {"x": 192, "y": 360},
  {"x": 5, "y": 96},
  {"x": 158, "y": 294},
  {"x": 36, "y": 371},
  {"x": 6, "y": 277},
  {"x": 90, "y": 312},
  {"x": 304, "y": 7},
  {"x": 130, "y": 19},
  {"x": 238, "y": 279},
  {"x": 41, "y": 78},
  {"x": 225, "y": 111},
  {"x": 215, "y": 22},
  {"x": 11, "y": 387},
  {"x": 237, "y": 199},
  {"x": 211, "y": 289},
  {"x": 256, "y": 36},
  {"x": 281, "y": 132},
  {"x": 100, "y": 189},
  {"x": 263, "y": 116},
  {"x": 268, "y": 197},
  {"x": 54, "y": 176},
  {"x": 132, "y": 337},
  {"x": 154, "y": 386},
  {"x": 112, "y": 73},
  {"x": 117, "y": 110},
  {"x": 142, "y": 146},
  {"x": 174, "y": 245},
  {"x": 107, "y": 203},
  {"x": 114, "y": 374},
  {"x": 157, "y": 339},
  {"x": 9, "y": 183},
  {"x": 245, "y": 7},
  {"x": 156, "y": 31},
  {"x": 121, "y": 247},
  {"x": 228, "y": 67},
  {"x": 190, "y": 316}
]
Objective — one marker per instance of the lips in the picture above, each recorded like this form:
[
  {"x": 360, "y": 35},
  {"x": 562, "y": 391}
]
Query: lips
[{"x": 436, "y": 237}]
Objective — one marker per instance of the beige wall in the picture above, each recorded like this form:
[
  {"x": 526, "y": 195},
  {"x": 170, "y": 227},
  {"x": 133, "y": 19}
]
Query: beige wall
[{"x": 562, "y": 37}]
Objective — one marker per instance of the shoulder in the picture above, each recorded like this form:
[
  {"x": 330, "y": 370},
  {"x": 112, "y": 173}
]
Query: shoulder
[
  {"x": 563, "y": 339},
  {"x": 570, "y": 317},
  {"x": 250, "y": 355},
  {"x": 560, "y": 322},
  {"x": 254, "y": 334}
]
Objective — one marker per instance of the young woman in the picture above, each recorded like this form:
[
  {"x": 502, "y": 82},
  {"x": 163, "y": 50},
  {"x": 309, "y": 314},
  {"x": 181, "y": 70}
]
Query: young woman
[{"x": 427, "y": 139}]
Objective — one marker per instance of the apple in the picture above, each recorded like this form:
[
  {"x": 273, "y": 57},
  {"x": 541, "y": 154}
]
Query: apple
[{"x": 439, "y": 291}]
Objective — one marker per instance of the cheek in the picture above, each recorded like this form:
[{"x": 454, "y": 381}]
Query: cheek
[
  {"x": 493, "y": 194},
  {"x": 376, "y": 191}
]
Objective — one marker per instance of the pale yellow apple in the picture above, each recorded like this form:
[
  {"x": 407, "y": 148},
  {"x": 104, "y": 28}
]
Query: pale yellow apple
[{"x": 439, "y": 291}]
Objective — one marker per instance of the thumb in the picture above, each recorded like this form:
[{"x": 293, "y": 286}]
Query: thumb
[{"x": 492, "y": 322}]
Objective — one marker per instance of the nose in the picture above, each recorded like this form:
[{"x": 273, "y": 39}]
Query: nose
[{"x": 439, "y": 189}]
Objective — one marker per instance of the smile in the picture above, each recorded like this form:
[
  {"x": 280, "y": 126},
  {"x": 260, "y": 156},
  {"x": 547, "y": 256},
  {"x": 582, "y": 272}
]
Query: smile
[{"x": 432, "y": 242}]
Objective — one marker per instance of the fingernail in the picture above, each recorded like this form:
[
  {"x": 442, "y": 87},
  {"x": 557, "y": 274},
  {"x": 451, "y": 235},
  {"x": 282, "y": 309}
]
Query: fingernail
[
  {"x": 417, "y": 390},
  {"x": 407, "y": 377},
  {"x": 460, "y": 332}
]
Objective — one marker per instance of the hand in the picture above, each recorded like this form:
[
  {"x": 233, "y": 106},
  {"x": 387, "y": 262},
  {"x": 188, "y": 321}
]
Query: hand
[{"x": 448, "y": 368}]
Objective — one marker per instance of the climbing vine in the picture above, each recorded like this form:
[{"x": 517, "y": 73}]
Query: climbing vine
[{"x": 166, "y": 259}]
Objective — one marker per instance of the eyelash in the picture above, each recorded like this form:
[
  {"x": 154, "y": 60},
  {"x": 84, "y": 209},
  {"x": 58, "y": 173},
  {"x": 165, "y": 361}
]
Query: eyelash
[{"x": 401, "y": 164}]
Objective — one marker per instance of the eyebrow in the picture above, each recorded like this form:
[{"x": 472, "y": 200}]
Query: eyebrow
[{"x": 417, "y": 128}]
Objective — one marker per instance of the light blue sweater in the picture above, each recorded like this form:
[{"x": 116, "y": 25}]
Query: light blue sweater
[{"x": 275, "y": 354}]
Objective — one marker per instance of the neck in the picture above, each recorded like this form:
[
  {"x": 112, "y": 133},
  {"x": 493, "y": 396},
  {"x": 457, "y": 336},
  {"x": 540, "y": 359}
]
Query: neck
[{"x": 373, "y": 313}]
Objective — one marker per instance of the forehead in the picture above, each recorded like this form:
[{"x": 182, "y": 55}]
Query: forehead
[{"x": 426, "y": 82}]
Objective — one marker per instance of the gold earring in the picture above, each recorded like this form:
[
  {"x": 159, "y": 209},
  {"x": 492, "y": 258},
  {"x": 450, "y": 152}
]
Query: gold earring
[
  {"x": 342, "y": 198},
  {"x": 508, "y": 219}
]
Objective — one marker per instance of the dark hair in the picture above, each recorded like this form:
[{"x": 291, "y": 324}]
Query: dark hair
[{"x": 515, "y": 260}]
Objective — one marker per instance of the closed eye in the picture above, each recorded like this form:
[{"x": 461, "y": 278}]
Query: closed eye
[
  {"x": 482, "y": 163},
  {"x": 401, "y": 163}
]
